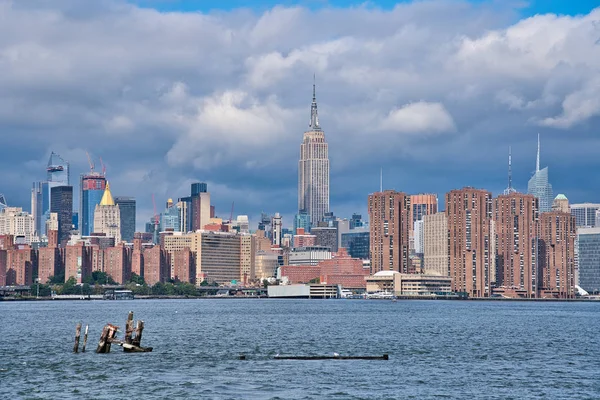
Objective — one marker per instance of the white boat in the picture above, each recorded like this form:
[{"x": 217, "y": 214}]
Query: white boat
[{"x": 381, "y": 295}]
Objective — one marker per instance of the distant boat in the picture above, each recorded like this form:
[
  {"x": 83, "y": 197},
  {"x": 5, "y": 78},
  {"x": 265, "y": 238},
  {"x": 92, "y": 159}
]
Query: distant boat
[{"x": 381, "y": 295}]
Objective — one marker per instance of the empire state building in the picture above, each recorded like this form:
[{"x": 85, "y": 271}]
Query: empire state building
[{"x": 313, "y": 169}]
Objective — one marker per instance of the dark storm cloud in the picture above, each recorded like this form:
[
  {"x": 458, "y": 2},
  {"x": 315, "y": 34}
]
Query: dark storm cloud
[{"x": 432, "y": 92}]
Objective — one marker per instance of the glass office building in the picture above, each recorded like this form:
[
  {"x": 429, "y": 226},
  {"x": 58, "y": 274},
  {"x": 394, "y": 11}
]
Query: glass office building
[
  {"x": 585, "y": 214},
  {"x": 588, "y": 247},
  {"x": 357, "y": 243}
]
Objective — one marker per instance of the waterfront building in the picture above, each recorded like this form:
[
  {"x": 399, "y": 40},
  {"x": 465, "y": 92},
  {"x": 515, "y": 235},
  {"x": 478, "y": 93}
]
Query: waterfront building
[
  {"x": 3, "y": 266},
  {"x": 156, "y": 265},
  {"x": 418, "y": 285},
  {"x": 539, "y": 186},
  {"x": 78, "y": 261},
  {"x": 62, "y": 204},
  {"x": 91, "y": 191},
  {"x": 344, "y": 270},
  {"x": 309, "y": 255},
  {"x": 185, "y": 265},
  {"x": 470, "y": 239},
  {"x": 585, "y": 214},
  {"x": 117, "y": 263},
  {"x": 17, "y": 223},
  {"x": 107, "y": 216},
  {"x": 313, "y": 170},
  {"x": 561, "y": 203},
  {"x": 21, "y": 262},
  {"x": 326, "y": 237},
  {"x": 557, "y": 255},
  {"x": 435, "y": 244},
  {"x": 588, "y": 246},
  {"x": 127, "y": 210},
  {"x": 357, "y": 242},
  {"x": 516, "y": 222},
  {"x": 390, "y": 226}
]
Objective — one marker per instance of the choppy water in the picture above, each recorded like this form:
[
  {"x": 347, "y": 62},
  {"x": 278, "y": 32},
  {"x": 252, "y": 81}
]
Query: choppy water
[{"x": 438, "y": 349}]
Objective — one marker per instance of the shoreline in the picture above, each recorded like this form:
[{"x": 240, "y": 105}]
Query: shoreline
[{"x": 11, "y": 299}]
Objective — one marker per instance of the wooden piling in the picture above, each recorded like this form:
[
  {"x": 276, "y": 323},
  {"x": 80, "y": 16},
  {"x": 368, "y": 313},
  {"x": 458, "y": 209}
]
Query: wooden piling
[
  {"x": 129, "y": 328},
  {"x": 106, "y": 338},
  {"x": 77, "y": 334},
  {"x": 138, "y": 333},
  {"x": 85, "y": 339}
]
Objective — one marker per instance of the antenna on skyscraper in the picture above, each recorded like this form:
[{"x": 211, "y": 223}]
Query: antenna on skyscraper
[
  {"x": 381, "y": 179},
  {"x": 509, "y": 189}
]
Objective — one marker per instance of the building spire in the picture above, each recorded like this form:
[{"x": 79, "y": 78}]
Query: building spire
[
  {"x": 509, "y": 189},
  {"x": 314, "y": 117},
  {"x": 537, "y": 161}
]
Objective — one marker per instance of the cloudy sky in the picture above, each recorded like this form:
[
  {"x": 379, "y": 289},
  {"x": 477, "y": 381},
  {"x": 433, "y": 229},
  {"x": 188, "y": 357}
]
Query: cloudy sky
[{"x": 169, "y": 92}]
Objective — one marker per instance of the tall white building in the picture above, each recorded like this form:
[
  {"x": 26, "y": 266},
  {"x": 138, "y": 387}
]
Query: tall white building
[
  {"x": 107, "y": 216},
  {"x": 313, "y": 169},
  {"x": 276, "y": 223},
  {"x": 16, "y": 222}
]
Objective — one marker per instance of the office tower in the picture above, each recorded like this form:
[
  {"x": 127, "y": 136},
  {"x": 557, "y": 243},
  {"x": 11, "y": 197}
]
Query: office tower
[
  {"x": 184, "y": 205},
  {"x": 471, "y": 253},
  {"x": 556, "y": 277},
  {"x": 302, "y": 220},
  {"x": 61, "y": 200},
  {"x": 200, "y": 206},
  {"x": 585, "y": 214},
  {"x": 516, "y": 221},
  {"x": 390, "y": 225},
  {"x": 313, "y": 170},
  {"x": 326, "y": 236},
  {"x": 356, "y": 242},
  {"x": 435, "y": 244},
  {"x": 561, "y": 203},
  {"x": 277, "y": 229},
  {"x": 539, "y": 186},
  {"x": 170, "y": 218},
  {"x": 91, "y": 190},
  {"x": 421, "y": 205},
  {"x": 127, "y": 207},
  {"x": 588, "y": 246},
  {"x": 107, "y": 216},
  {"x": 40, "y": 205},
  {"x": 356, "y": 221}
]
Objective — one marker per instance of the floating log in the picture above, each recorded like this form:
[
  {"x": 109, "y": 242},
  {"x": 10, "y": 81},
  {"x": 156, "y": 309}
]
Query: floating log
[
  {"x": 333, "y": 357},
  {"x": 77, "y": 334},
  {"x": 85, "y": 339}
]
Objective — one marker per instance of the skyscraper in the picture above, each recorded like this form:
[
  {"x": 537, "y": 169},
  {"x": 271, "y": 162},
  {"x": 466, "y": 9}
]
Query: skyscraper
[
  {"x": 57, "y": 174},
  {"x": 435, "y": 244},
  {"x": 516, "y": 222},
  {"x": 539, "y": 186},
  {"x": 557, "y": 255},
  {"x": 91, "y": 188},
  {"x": 200, "y": 205},
  {"x": 585, "y": 214},
  {"x": 107, "y": 216},
  {"x": 313, "y": 169},
  {"x": 61, "y": 200},
  {"x": 422, "y": 204},
  {"x": 390, "y": 224},
  {"x": 471, "y": 245},
  {"x": 127, "y": 207}
]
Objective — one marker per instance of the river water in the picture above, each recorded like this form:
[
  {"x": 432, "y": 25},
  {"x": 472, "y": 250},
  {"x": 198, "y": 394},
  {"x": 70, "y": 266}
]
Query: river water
[{"x": 438, "y": 350}]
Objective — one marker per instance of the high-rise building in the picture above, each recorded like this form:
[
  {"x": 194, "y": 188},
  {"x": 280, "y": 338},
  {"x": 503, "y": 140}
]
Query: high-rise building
[
  {"x": 127, "y": 208},
  {"x": 539, "y": 186},
  {"x": 471, "y": 252},
  {"x": 516, "y": 222},
  {"x": 390, "y": 226},
  {"x": 302, "y": 220},
  {"x": 313, "y": 170},
  {"x": 326, "y": 236},
  {"x": 170, "y": 218},
  {"x": 423, "y": 204},
  {"x": 17, "y": 223},
  {"x": 61, "y": 200},
  {"x": 277, "y": 229},
  {"x": 356, "y": 242},
  {"x": 117, "y": 263},
  {"x": 107, "y": 216},
  {"x": 588, "y": 244},
  {"x": 356, "y": 221},
  {"x": 418, "y": 235},
  {"x": 435, "y": 244},
  {"x": 561, "y": 203},
  {"x": 91, "y": 190},
  {"x": 200, "y": 206},
  {"x": 556, "y": 265},
  {"x": 40, "y": 204},
  {"x": 585, "y": 214}
]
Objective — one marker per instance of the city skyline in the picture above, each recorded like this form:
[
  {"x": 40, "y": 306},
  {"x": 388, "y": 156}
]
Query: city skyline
[{"x": 238, "y": 131}]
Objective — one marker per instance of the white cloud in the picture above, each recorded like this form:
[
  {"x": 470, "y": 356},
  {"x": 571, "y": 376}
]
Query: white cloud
[{"x": 421, "y": 117}]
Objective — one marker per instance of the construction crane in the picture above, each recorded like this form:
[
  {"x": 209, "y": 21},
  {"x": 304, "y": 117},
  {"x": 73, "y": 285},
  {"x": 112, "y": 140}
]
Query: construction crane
[
  {"x": 90, "y": 161},
  {"x": 156, "y": 221},
  {"x": 103, "y": 167}
]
